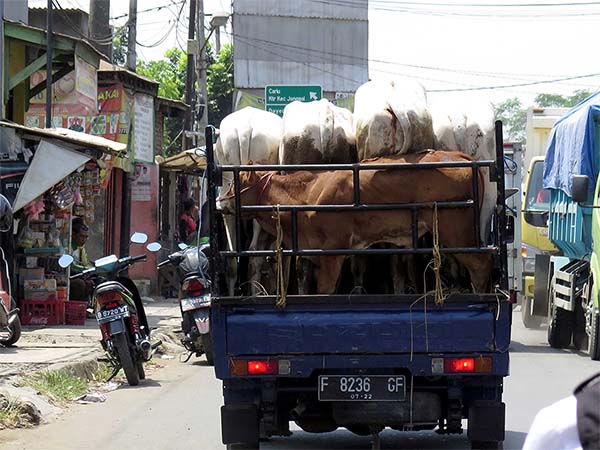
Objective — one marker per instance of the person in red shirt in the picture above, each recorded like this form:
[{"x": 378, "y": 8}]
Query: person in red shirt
[{"x": 188, "y": 223}]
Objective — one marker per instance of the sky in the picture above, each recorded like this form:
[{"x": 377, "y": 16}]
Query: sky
[{"x": 446, "y": 45}]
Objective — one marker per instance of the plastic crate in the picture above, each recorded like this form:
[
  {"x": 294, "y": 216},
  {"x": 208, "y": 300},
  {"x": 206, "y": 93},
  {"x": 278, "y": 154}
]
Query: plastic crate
[
  {"x": 41, "y": 312},
  {"x": 75, "y": 313}
]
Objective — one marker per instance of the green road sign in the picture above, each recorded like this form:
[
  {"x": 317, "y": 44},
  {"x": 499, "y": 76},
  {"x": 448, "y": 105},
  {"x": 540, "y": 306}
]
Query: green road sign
[{"x": 276, "y": 97}]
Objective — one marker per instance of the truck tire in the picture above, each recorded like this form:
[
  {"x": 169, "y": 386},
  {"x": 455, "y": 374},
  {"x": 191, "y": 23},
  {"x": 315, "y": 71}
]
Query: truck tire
[
  {"x": 560, "y": 324},
  {"x": 529, "y": 320},
  {"x": 244, "y": 446},
  {"x": 594, "y": 338},
  {"x": 484, "y": 445},
  {"x": 208, "y": 350},
  {"x": 580, "y": 336}
]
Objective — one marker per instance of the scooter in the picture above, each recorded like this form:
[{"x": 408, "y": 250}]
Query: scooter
[
  {"x": 10, "y": 323},
  {"x": 194, "y": 299},
  {"x": 120, "y": 312}
]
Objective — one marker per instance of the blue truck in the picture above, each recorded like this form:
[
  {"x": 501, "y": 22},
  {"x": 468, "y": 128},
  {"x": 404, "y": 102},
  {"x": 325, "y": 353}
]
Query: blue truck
[
  {"x": 362, "y": 362},
  {"x": 567, "y": 283}
]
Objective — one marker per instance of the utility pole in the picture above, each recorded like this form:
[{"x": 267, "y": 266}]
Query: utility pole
[
  {"x": 202, "y": 89},
  {"x": 190, "y": 98},
  {"x": 131, "y": 38},
  {"x": 100, "y": 27},
  {"x": 49, "y": 45}
]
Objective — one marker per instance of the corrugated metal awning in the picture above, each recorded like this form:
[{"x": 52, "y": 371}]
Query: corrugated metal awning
[
  {"x": 75, "y": 138},
  {"x": 193, "y": 160}
]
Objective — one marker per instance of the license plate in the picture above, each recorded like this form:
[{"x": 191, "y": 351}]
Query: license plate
[
  {"x": 188, "y": 304},
  {"x": 362, "y": 388},
  {"x": 114, "y": 313}
]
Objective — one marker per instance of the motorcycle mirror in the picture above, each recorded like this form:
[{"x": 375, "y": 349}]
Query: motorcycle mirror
[
  {"x": 153, "y": 247},
  {"x": 139, "y": 238},
  {"x": 65, "y": 261},
  {"x": 182, "y": 246}
]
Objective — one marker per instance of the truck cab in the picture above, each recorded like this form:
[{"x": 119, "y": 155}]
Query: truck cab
[{"x": 535, "y": 241}]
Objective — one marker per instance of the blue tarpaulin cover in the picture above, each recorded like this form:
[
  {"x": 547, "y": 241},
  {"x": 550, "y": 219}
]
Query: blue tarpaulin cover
[{"x": 571, "y": 146}]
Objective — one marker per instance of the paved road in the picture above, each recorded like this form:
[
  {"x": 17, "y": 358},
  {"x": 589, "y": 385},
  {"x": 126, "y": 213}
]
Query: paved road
[{"x": 179, "y": 408}]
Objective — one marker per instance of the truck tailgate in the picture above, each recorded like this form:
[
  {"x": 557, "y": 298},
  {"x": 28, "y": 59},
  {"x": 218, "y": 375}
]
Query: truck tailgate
[{"x": 364, "y": 329}]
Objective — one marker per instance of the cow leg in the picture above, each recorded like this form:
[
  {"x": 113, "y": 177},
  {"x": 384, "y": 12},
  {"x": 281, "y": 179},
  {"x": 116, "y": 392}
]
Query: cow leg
[
  {"x": 305, "y": 275},
  {"x": 479, "y": 267},
  {"x": 358, "y": 267},
  {"x": 256, "y": 234},
  {"x": 398, "y": 278},
  {"x": 328, "y": 276},
  {"x": 403, "y": 272}
]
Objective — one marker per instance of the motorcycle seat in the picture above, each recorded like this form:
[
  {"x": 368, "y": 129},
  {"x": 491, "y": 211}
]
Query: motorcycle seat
[{"x": 108, "y": 286}]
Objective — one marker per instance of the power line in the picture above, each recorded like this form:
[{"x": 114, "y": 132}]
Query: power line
[
  {"x": 517, "y": 84},
  {"x": 156, "y": 8},
  {"x": 166, "y": 35}
]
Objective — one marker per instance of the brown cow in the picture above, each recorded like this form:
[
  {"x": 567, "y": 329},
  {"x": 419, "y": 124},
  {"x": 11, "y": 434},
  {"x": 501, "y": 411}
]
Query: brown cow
[{"x": 361, "y": 229}]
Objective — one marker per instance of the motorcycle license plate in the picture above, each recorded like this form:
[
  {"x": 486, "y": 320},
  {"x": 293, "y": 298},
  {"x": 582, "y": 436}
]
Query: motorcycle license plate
[
  {"x": 349, "y": 388},
  {"x": 106, "y": 315},
  {"x": 188, "y": 304}
]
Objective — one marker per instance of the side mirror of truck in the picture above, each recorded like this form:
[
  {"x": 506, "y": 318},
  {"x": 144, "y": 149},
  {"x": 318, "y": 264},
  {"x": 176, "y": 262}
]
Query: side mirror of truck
[{"x": 579, "y": 188}]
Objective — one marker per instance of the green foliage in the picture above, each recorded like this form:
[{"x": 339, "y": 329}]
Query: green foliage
[
  {"x": 555, "y": 100},
  {"x": 514, "y": 116},
  {"x": 58, "y": 385},
  {"x": 119, "y": 50},
  {"x": 220, "y": 85},
  {"x": 169, "y": 72}
]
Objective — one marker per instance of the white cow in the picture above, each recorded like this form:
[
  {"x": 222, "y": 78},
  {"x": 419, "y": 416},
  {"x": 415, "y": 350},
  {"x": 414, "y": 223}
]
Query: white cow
[
  {"x": 317, "y": 133},
  {"x": 249, "y": 134},
  {"x": 469, "y": 129},
  {"x": 391, "y": 118}
]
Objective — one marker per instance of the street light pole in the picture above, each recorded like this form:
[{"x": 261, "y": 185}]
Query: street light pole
[{"x": 49, "y": 45}]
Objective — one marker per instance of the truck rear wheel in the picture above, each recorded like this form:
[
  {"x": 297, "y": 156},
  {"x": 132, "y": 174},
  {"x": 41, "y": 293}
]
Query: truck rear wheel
[
  {"x": 560, "y": 324},
  {"x": 529, "y": 320},
  {"x": 594, "y": 338},
  {"x": 580, "y": 336},
  {"x": 481, "y": 445}
]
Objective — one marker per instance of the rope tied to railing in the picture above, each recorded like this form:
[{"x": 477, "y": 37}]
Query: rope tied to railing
[
  {"x": 437, "y": 258},
  {"x": 281, "y": 284}
]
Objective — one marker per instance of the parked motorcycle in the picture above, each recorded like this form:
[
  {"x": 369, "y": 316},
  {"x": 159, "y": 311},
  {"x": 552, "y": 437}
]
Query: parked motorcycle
[
  {"x": 194, "y": 299},
  {"x": 120, "y": 312},
  {"x": 10, "y": 324}
]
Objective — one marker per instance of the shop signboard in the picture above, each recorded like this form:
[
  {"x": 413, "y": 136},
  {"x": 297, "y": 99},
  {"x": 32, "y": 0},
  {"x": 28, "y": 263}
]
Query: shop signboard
[{"x": 143, "y": 128}]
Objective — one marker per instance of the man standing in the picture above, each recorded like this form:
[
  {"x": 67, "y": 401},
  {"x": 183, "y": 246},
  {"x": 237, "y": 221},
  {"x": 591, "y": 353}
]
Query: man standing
[{"x": 80, "y": 289}]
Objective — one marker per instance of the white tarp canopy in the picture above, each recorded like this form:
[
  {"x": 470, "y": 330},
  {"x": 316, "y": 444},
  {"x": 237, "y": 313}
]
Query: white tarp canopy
[{"x": 51, "y": 163}]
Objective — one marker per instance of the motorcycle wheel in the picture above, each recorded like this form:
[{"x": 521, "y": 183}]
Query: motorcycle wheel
[
  {"x": 121, "y": 342},
  {"x": 14, "y": 333},
  {"x": 208, "y": 350}
]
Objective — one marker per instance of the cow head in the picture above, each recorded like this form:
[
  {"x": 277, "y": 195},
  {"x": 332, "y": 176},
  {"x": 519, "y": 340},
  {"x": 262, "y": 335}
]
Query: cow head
[{"x": 252, "y": 186}]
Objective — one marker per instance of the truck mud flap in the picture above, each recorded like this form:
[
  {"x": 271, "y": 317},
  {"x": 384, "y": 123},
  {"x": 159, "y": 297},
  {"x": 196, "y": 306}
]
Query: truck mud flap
[
  {"x": 486, "y": 421},
  {"x": 239, "y": 424},
  {"x": 542, "y": 283}
]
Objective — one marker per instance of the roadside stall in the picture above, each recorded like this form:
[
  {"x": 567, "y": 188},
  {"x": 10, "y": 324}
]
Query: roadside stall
[
  {"x": 181, "y": 177},
  {"x": 66, "y": 171}
]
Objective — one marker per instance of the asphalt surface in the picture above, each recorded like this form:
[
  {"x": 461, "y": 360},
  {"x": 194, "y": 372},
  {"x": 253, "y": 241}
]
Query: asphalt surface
[{"x": 178, "y": 407}]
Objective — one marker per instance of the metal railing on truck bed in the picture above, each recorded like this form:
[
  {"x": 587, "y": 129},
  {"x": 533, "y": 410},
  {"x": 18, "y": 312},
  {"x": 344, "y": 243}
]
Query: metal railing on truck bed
[{"x": 214, "y": 174}]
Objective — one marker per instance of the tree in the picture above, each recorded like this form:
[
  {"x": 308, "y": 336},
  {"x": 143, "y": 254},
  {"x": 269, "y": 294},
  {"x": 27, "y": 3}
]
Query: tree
[
  {"x": 220, "y": 84},
  {"x": 170, "y": 73},
  {"x": 514, "y": 118},
  {"x": 555, "y": 100},
  {"x": 119, "y": 50}
]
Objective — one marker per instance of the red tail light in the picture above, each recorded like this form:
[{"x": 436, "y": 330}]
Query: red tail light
[
  {"x": 468, "y": 365},
  {"x": 109, "y": 297},
  {"x": 459, "y": 365},
  {"x": 194, "y": 286},
  {"x": 263, "y": 368}
]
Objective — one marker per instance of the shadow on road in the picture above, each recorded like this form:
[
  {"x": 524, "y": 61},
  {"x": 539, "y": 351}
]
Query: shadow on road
[
  {"x": 147, "y": 383},
  {"x": 517, "y": 347}
]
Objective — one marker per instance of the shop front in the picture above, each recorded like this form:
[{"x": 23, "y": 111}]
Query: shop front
[{"x": 66, "y": 172}]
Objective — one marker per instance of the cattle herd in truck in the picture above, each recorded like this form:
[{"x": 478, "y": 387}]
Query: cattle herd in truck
[{"x": 392, "y": 123}]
